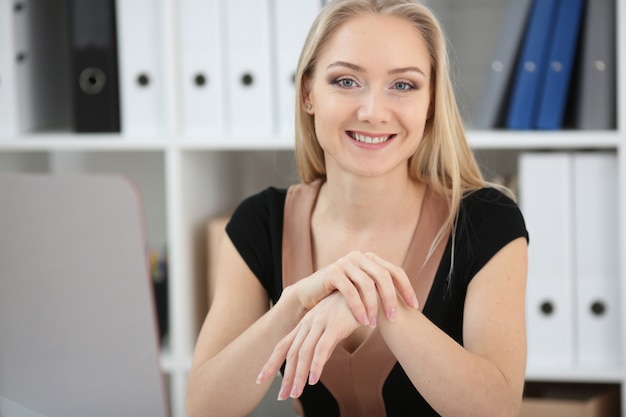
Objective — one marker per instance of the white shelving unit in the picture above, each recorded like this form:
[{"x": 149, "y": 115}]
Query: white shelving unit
[{"x": 186, "y": 181}]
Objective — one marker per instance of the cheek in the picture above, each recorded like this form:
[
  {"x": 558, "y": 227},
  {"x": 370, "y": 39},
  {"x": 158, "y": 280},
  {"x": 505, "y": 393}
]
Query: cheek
[
  {"x": 417, "y": 117},
  {"x": 329, "y": 118},
  {"x": 323, "y": 130}
]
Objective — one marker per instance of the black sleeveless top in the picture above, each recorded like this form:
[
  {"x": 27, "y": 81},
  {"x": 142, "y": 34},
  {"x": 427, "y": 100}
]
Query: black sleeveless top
[{"x": 488, "y": 220}]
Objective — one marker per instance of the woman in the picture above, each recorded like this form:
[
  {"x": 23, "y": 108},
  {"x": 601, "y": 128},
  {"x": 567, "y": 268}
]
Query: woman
[{"x": 393, "y": 278}]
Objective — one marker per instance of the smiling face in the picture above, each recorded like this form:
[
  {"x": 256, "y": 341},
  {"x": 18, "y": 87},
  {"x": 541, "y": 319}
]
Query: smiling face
[{"x": 370, "y": 96}]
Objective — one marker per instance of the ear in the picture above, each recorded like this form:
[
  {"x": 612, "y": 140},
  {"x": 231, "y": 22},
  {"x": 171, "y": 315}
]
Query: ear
[{"x": 307, "y": 101}]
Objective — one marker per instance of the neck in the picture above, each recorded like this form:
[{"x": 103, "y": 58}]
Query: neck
[{"x": 365, "y": 203}]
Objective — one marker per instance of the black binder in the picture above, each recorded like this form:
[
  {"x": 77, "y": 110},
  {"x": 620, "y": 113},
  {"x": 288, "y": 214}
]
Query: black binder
[{"x": 95, "y": 77}]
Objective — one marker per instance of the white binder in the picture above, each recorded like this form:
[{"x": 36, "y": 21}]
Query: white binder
[
  {"x": 8, "y": 63},
  {"x": 545, "y": 200},
  {"x": 140, "y": 67},
  {"x": 18, "y": 108},
  {"x": 596, "y": 256},
  {"x": 200, "y": 73},
  {"x": 34, "y": 67},
  {"x": 249, "y": 112},
  {"x": 292, "y": 22}
]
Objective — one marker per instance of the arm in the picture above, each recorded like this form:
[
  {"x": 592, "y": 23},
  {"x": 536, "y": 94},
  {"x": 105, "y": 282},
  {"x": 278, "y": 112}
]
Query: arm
[
  {"x": 486, "y": 376},
  {"x": 238, "y": 334}
]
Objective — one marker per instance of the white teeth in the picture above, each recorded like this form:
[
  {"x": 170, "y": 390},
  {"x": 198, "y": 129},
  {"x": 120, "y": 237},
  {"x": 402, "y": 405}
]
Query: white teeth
[{"x": 369, "y": 139}]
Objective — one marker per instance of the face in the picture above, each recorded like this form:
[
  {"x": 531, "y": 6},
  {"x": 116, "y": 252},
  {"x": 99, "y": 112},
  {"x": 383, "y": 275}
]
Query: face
[{"x": 370, "y": 96}]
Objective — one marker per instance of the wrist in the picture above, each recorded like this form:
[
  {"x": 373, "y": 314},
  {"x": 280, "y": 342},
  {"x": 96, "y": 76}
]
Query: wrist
[{"x": 292, "y": 303}]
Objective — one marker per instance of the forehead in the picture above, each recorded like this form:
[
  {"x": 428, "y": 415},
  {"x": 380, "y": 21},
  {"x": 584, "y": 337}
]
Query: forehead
[{"x": 377, "y": 41}]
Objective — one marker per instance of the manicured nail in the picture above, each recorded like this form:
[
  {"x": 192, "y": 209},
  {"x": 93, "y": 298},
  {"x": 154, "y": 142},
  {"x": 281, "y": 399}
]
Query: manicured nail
[
  {"x": 282, "y": 394},
  {"x": 373, "y": 321},
  {"x": 294, "y": 391},
  {"x": 391, "y": 313},
  {"x": 312, "y": 378},
  {"x": 365, "y": 320}
]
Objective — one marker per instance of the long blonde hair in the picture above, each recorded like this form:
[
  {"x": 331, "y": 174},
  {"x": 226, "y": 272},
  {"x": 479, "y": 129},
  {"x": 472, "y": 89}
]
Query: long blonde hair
[{"x": 443, "y": 159}]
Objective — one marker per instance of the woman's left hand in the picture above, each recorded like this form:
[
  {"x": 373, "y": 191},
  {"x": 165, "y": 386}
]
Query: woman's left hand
[{"x": 309, "y": 345}]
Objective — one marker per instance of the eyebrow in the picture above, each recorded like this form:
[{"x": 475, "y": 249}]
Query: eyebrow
[{"x": 358, "y": 68}]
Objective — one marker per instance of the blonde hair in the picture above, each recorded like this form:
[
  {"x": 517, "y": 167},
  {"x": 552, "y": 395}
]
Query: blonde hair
[{"x": 443, "y": 160}]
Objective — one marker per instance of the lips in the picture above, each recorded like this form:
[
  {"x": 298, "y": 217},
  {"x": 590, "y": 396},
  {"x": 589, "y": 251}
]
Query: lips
[{"x": 359, "y": 137}]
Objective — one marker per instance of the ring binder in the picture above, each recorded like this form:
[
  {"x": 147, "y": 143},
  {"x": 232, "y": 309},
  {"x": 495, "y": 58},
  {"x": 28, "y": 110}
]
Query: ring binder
[
  {"x": 93, "y": 49},
  {"x": 530, "y": 71},
  {"x": 200, "y": 83},
  {"x": 141, "y": 83}
]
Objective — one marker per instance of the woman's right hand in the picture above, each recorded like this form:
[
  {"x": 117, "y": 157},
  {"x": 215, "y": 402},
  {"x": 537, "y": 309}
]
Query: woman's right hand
[
  {"x": 363, "y": 279},
  {"x": 307, "y": 348}
]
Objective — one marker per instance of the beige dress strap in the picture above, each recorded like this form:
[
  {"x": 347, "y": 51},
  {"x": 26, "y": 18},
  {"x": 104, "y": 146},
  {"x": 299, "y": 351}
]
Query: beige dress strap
[{"x": 356, "y": 379}]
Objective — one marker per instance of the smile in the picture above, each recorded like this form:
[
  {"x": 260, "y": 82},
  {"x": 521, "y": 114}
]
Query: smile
[{"x": 369, "y": 139}]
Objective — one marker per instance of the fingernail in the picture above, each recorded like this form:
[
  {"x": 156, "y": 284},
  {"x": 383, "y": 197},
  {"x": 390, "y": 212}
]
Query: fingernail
[
  {"x": 365, "y": 320},
  {"x": 294, "y": 391},
  {"x": 282, "y": 394},
  {"x": 312, "y": 378},
  {"x": 373, "y": 321},
  {"x": 259, "y": 378},
  {"x": 392, "y": 313}
]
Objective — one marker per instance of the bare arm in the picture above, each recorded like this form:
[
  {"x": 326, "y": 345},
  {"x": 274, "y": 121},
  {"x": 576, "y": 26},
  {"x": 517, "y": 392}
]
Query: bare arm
[
  {"x": 486, "y": 376},
  {"x": 238, "y": 334}
]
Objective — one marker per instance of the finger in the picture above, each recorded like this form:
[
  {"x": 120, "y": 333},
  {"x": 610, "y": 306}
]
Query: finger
[
  {"x": 293, "y": 357},
  {"x": 339, "y": 281},
  {"x": 384, "y": 283},
  {"x": 323, "y": 349},
  {"x": 276, "y": 358},
  {"x": 366, "y": 291},
  {"x": 400, "y": 280},
  {"x": 305, "y": 356}
]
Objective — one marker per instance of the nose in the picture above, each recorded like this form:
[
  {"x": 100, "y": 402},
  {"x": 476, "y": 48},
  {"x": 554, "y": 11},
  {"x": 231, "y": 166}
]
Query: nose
[{"x": 374, "y": 108}]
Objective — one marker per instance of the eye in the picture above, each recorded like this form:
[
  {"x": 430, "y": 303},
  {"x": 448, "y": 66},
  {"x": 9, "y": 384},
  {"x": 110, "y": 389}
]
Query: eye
[
  {"x": 403, "y": 85},
  {"x": 345, "y": 82}
]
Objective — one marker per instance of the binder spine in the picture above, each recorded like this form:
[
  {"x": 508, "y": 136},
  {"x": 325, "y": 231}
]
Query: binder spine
[
  {"x": 491, "y": 110},
  {"x": 95, "y": 82},
  {"x": 559, "y": 66},
  {"x": 9, "y": 13},
  {"x": 597, "y": 85},
  {"x": 531, "y": 69}
]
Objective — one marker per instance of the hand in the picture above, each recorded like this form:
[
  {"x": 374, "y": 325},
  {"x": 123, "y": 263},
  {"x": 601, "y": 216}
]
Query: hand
[
  {"x": 309, "y": 345},
  {"x": 362, "y": 278}
]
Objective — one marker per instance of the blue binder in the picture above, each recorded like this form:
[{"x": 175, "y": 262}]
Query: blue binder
[
  {"x": 560, "y": 63},
  {"x": 531, "y": 66}
]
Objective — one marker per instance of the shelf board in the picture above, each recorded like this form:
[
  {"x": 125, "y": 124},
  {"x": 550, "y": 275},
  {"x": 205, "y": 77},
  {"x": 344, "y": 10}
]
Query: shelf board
[
  {"x": 79, "y": 142},
  {"x": 66, "y": 141},
  {"x": 236, "y": 144},
  {"x": 492, "y": 139},
  {"x": 562, "y": 139},
  {"x": 607, "y": 375}
]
